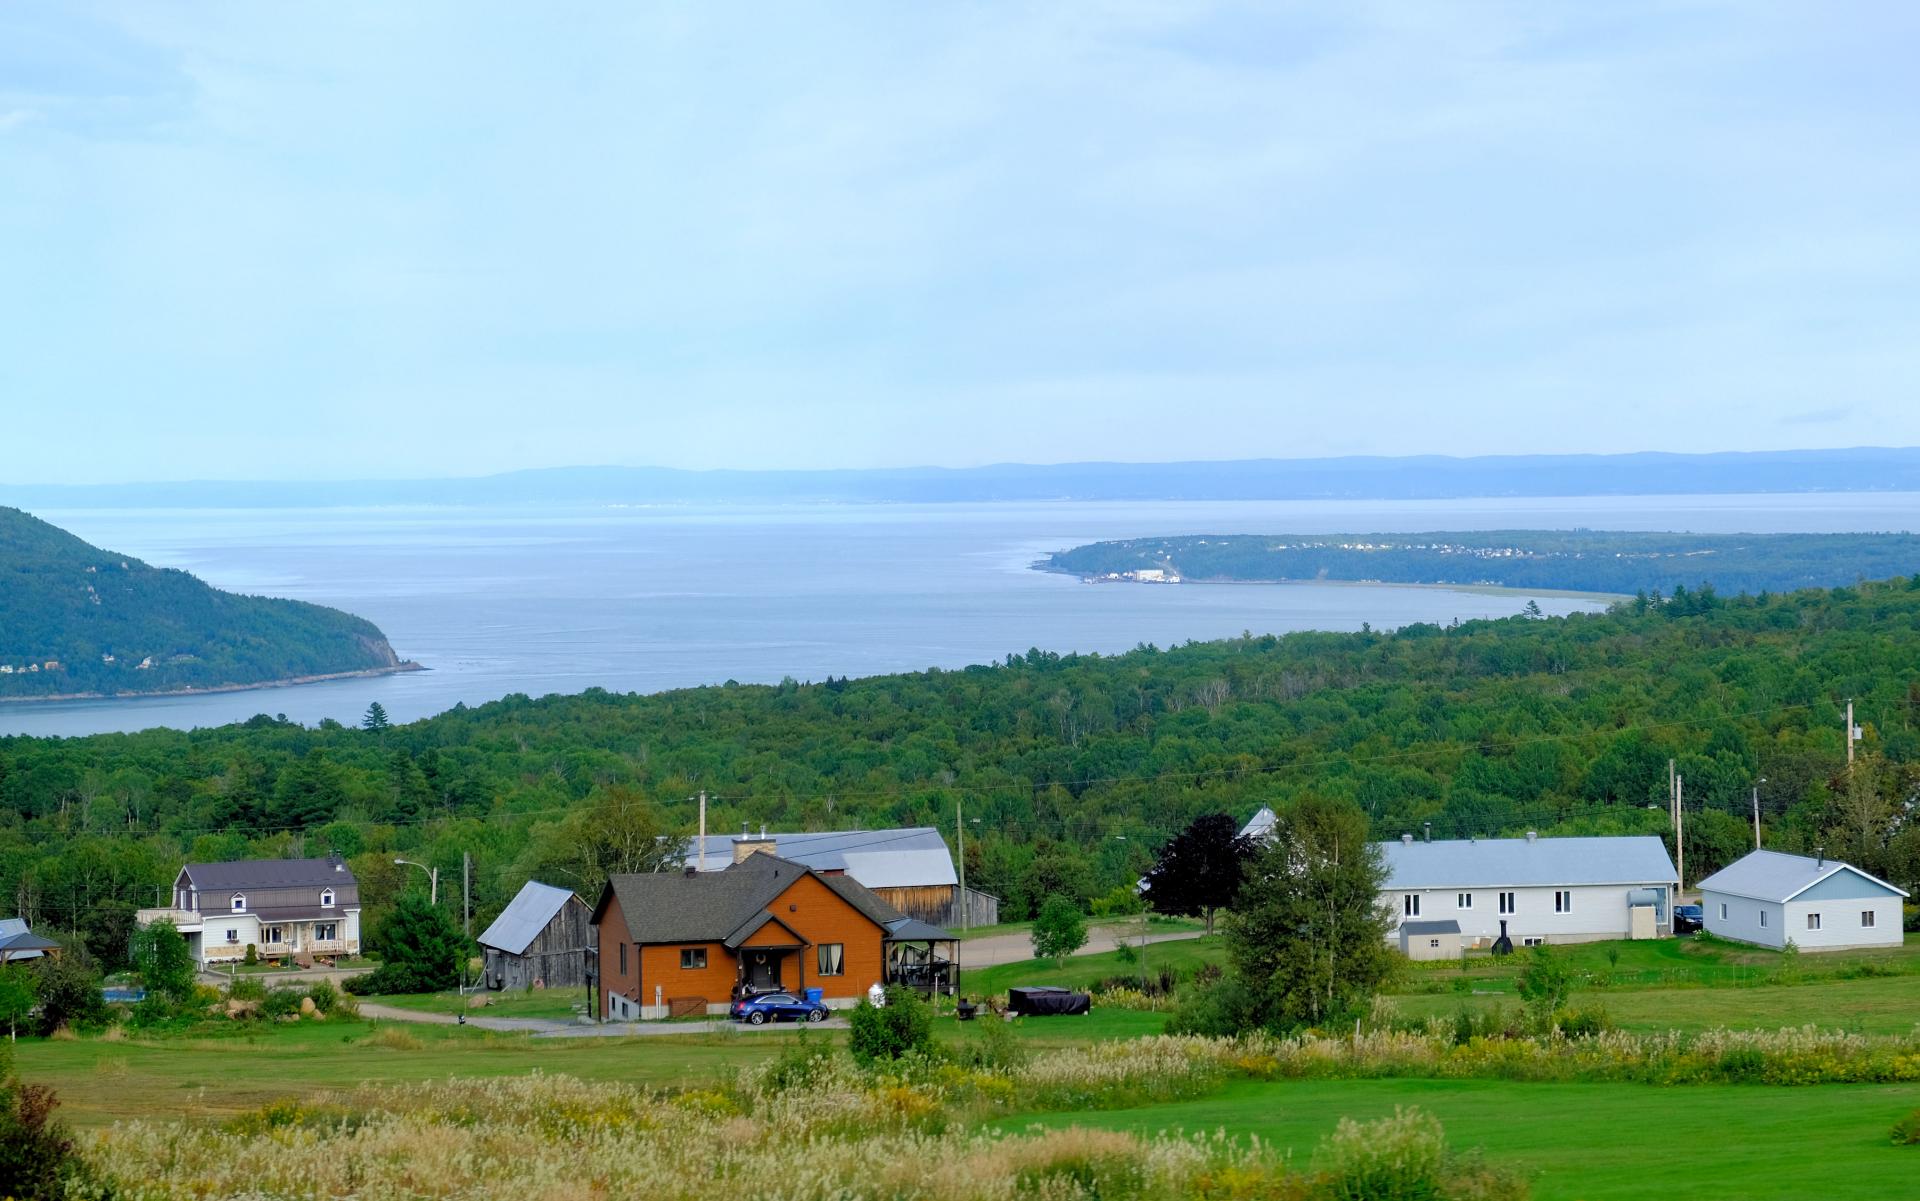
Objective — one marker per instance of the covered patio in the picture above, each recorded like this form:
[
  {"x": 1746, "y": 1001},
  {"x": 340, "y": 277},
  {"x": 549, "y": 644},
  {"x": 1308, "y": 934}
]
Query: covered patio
[{"x": 915, "y": 959}]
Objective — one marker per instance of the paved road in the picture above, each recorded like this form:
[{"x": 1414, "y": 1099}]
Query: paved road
[
  {"x": 995, "y": 949},
  {"x": 554, "y": 1028}
]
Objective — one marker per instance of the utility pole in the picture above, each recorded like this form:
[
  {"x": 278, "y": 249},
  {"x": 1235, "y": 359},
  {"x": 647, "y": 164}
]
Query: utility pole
[
  {"x": 960, "y": 836},
  {"x": 1853, "y": 733},
  {"x": 1680, "y": 826},
  {"x": 466, "y": 900},
  {"x": 1756, "y": 813},
  {"x": 700, "y": 847}
]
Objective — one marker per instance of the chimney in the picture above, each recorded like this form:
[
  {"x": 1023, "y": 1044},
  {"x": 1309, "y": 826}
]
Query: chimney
[
  {"x": 1407, "y": 839},
  {"x": 747, "y": 844},
  {"x": 1427, "y": 833},
  {"x": 1532, "y": 834},
  {"x": 691, "y": 871},
  {"x": 1820, "y": 854}
]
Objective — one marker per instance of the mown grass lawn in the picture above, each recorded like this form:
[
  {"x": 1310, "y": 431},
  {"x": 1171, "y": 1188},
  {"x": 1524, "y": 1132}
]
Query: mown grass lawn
[
  {"x": 1183, "y": 956},
  {"x": 214, "y": 1075},
  {"x": 1889, "y": 1005},
  {"x": 1674, "y": 963},
  {"x": 1593, "y": 1142},
  {"x": 556, "y": 1003}
]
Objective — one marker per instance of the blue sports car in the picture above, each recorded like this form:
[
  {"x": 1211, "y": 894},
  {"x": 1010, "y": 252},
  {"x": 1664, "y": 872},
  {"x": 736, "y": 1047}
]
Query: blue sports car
[{"x": 773, "y": 1006}]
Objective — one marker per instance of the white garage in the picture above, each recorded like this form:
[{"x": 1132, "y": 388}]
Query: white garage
[{"x": 1769, "y": 898}]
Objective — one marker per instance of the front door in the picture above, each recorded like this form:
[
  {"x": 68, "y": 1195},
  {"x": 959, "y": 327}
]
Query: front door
[{"x": 763, "y": 970}]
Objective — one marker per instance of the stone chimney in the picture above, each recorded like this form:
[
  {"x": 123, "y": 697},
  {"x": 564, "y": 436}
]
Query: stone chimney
[{"x": 745, "y": 844}]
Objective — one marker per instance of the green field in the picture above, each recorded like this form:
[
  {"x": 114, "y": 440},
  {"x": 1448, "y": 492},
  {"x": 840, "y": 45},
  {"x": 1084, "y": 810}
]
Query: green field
[
  {"x": 558, "y": 1004},
  {"x": 1592, "y": 1142},
  {"x": 1182, "y": 956},
  {"x": 1675, "y": 963},
  {"x": 1876, "y": 1006}
]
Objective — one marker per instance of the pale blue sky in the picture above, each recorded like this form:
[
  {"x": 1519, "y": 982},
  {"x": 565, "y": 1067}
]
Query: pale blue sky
[{"x": 324, "y": 240}]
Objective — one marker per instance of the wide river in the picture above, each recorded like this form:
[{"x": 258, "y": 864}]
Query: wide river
[{"x": 642, "y": 599}]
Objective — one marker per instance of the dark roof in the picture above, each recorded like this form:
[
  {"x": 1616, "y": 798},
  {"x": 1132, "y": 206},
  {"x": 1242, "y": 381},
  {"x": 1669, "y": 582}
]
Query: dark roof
[
  {"x": 912, "y": 929},
  {"x": 18, "y": 942},
  {"x": 1447, "y": 927},
  {"x": 269, "y": 873},
  {"x": 713, "y": 906}
]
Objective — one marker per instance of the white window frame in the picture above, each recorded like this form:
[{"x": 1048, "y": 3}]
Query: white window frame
[
  {"x": 1533, "y": 941},
  {"x": 1508, "y": 904},
  {"x": 1464, "y": 900},
  {"x": 239, "y": 902},
  {"x": 326, "y": 898},
  {"x": 1563, "y": 900},
  {"x": 1813, "y": 921},
  {"x": 326, "y": 931},
  {"x": 1868, "y": 919},
  {"x": 233, "y": 937},
  {"x": 1410, "y": 904},
  {"x": 1723, "y": 911},
  {"x": 1763, "y": 919},
  {"x": 273, "y": 934}
]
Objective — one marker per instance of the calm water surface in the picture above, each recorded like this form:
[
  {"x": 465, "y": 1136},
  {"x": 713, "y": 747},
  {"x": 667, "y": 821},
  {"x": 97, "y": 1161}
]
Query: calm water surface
[{"x": 642, "y": 599}]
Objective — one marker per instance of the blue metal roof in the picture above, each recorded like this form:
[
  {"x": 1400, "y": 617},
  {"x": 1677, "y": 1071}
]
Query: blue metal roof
[
  {"x": 524, "y": 917},
  {"x": 1775, "y": 876},
  {"x": 1527, "y": 862}
]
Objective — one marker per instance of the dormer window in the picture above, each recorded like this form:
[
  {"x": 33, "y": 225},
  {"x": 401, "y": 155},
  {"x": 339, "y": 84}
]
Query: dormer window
[
  {"x": 326, "y": 898},
  {"x": 239, "y": 902}
]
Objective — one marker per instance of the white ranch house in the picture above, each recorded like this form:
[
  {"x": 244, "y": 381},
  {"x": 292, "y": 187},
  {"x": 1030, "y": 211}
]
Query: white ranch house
[
  {"x": 284, "y": 908},
  {"x": 1544, "y": 890},
  {"x": 1820, "y": 904}
]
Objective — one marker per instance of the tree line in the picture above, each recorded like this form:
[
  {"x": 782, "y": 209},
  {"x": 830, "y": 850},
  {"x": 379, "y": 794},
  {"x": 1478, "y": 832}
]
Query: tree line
[{"x": 1070, "y": 771}]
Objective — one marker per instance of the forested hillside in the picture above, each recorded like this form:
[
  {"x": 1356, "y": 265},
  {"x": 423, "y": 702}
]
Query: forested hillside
[
  {"x": 1577, "y": 560},
  {"x": 75, "y": 619},
  {"x": 1070, "y": 769}
]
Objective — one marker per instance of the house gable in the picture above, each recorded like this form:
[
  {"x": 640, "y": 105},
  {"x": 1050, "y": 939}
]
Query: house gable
[{"x": 1847, "y": 884}]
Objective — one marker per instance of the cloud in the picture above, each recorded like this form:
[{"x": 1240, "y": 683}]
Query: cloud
[{"x": 13, "y": 119}]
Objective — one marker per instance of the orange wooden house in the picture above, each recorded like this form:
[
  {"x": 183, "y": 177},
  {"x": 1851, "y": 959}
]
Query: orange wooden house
[{"x": 675, "y": 943}]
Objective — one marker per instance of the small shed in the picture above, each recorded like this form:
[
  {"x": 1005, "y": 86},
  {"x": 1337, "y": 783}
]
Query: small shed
[
  {"x": 1430, "y": 940},
  {"x": 541, "y": 937},
  {"x": 1819, "y": 904}
]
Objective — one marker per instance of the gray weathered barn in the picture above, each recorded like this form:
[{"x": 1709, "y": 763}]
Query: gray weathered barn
[{"x": 542, "y": 936}]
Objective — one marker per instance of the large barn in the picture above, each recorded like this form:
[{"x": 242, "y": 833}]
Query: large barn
[
  {"x": 541, "y": 937},
  {"x": 910, "y": 869}
]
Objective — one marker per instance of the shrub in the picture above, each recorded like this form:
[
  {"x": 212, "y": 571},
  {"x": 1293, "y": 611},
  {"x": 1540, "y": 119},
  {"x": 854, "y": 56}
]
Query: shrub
[
  {"x": 1585, "y": 1021},
  {"x": 246, "y": 988},
  {"x": 1906, "y": 1131},
  {"x": 901, "y": 1027},
  {"x": 38, "y": 1159},
  {"x": 1218, "y": 1010},
  {"x": 1059, "y": 931},
  {"x": 68, "y": 988},
  {"x": 330, "y": 1000},
  {"x": 1405, "y": 1158},
  {"x": 280, "y": 1002},
  {"x": 252, "y": 956}
]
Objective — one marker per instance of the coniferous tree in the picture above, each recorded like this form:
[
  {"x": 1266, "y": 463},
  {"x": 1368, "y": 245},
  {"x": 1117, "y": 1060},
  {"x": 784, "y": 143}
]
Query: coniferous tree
[{"x": 375, "y": 721}]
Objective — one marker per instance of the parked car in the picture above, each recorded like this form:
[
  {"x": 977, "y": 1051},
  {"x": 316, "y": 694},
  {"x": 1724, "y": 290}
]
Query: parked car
[
  {"x": 775, "y": 1006},
  {"x": 1689, "y": 919}
]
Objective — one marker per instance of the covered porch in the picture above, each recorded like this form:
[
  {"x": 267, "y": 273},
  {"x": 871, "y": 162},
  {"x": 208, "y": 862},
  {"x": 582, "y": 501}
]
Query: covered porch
[{"x": 923, "y": 957}]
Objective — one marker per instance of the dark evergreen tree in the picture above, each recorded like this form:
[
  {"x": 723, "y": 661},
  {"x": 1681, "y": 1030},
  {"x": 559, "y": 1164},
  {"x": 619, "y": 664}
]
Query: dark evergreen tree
[
  {"x": 420, "y": 951},
  {"x": 375, "y": 722}
]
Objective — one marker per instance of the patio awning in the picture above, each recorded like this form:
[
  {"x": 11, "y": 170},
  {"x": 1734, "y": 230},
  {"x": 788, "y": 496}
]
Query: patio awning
[{"x": 912, "y": 929}]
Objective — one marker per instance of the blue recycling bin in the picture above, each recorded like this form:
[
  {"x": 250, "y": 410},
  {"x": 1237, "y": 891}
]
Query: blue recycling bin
[{"x": 814, "y": 995}]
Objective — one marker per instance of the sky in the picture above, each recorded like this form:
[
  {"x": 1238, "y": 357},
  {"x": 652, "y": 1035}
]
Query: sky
[{"x": 345, "y": 240}]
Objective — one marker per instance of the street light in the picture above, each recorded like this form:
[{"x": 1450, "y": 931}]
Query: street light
[{"x": 433, "y": 879}]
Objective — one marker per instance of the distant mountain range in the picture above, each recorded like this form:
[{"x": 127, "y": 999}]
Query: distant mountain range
[
  {"x": 76, "y": 620},
  {"x": 1864, "y": 469}
]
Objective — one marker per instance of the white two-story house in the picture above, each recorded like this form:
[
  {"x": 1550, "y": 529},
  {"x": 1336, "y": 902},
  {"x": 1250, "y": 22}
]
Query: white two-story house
[
  {"x": 1536, "y": 890},
  {"x": 283, "y": 908}
]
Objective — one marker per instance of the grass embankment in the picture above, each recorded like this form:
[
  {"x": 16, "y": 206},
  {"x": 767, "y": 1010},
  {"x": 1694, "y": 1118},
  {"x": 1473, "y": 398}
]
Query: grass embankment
[
  {"x": 1181, "y": 956},
  {"x": 557, "y": 1004},
  {"x": 1590, "y": 1141}
]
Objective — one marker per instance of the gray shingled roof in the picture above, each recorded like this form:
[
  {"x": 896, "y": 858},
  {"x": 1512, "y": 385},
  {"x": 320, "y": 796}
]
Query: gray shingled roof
[
  {"x": 525, "y": 916},
  {"x": 1527, "y": 863},
  {"x": 1450, "y": 926},
  {"x": 243, "y": 874},
  {"x": 666, "y": 907},
  {"x": 1775, "y": 876},
  {"x": 915, "y": 856},
  {"x": 17, "y": 942}
]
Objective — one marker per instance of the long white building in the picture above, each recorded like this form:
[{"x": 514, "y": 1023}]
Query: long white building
[{"x": 1544, "y": 890}]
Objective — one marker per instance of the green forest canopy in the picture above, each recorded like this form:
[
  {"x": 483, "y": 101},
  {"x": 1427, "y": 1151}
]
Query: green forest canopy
[
  {"x": 1577, "y": 560},
  {"x": 1072, "y": 769},
  {"x": 78, "y": 619}
]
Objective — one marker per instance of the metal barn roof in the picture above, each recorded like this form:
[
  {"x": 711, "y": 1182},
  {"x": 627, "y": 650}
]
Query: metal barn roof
[
  {"x": 1776, "y": 876},
  {"x": 913, "y": 857},
  {"x": 1527, "y": 862},
  {"x": 525, "y": 916}
]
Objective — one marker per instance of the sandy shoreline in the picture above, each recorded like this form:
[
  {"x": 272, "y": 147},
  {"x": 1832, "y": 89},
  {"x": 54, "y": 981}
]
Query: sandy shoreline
[{"x": 287, "y": 682}]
